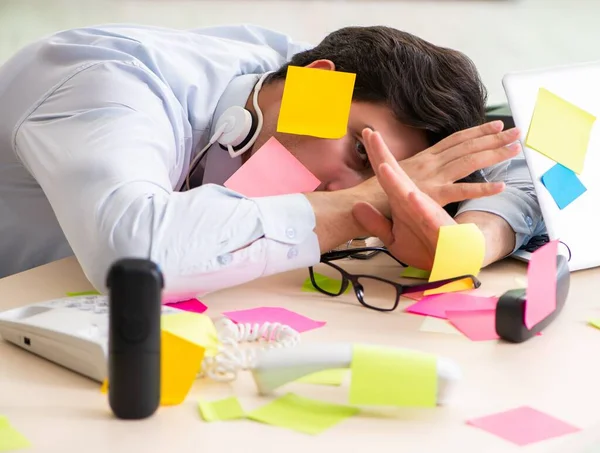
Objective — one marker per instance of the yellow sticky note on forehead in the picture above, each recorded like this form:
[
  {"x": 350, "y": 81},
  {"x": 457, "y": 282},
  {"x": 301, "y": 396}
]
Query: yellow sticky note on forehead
[
  {"x": 316, "y": 102},
  {"x": 460, "y": 251},
  {"x": 560, "y": 130}
]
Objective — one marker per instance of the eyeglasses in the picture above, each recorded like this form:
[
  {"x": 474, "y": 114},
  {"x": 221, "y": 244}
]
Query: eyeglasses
[{"x": 373, "y": 292}]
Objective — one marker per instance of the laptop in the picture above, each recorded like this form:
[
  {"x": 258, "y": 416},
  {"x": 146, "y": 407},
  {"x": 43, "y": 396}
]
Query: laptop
[{"x": 576, "y": 224}]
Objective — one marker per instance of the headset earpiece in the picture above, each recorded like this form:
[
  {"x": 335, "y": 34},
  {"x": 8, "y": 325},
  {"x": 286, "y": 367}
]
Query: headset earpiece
[{"x": 236, "y": 123}]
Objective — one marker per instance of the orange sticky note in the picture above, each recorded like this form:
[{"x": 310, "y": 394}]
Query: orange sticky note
[
  {"x": 541, "y": 288},
  {"x": 180, "y": 364},
  {"x": 460, "y": 251},
  {"x": 272, "y": 170},
  {"x": 316, "y": 102}
]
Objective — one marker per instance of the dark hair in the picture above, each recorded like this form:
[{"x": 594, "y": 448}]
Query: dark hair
[{"x": 427, "y": 87}]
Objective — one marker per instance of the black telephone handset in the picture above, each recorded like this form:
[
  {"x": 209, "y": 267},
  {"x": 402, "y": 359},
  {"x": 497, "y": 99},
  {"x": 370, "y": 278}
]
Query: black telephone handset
[
  {"x": 510, "y": 311},
  {"x": 135, "y": 297}
]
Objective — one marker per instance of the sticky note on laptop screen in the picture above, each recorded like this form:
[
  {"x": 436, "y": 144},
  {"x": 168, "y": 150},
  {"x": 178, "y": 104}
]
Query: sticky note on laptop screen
[
  {"x": 271, "y": 171},
  {"x": 560, "y": 130},
  {"x": 316, "y": 102},
  {"x": 460, "y": 251},
  {"x": 563, "y": 184}
]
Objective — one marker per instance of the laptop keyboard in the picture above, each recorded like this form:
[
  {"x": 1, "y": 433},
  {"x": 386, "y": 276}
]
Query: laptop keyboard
[{"x": 535, "y": 243}]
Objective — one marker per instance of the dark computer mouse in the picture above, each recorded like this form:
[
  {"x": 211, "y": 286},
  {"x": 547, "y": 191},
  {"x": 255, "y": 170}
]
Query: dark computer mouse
[{"x": 510, "y": 311}]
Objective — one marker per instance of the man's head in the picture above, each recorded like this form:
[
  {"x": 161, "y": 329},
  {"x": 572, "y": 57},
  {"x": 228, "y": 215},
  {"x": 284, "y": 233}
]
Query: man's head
[{"x": 411, "y": 91}]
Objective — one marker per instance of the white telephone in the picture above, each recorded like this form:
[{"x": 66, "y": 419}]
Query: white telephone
[{"x": 73, "y": 332}]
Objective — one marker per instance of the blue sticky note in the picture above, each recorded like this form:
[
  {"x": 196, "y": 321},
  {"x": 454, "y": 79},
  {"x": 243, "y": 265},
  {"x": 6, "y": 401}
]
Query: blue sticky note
[{"x": 563, "y": 184}]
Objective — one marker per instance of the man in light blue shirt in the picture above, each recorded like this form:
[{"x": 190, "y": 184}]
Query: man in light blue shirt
[{"x": 98, "y": 127}]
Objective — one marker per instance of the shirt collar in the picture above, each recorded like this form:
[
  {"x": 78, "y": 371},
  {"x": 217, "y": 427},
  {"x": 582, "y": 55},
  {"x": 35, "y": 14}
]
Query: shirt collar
[{"x": 219, "y": 165}]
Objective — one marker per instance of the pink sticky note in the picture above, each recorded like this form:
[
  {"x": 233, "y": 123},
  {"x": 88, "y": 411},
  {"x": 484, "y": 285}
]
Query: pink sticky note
[
  {"x": 272, "y": 170},
  {"x": 193, "y": 305},
  {"x": 541, "y": 284},
  {"x": 438, "y": 304},
  {"x": 477, "y": 325},
  {"x": 274, "y": 314},
  {"x": 523, "y": 425}
]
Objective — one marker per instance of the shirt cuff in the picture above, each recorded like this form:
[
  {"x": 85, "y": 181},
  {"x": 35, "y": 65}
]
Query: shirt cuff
[
  {"x": 288, "y": 223},
  {"x": 518, "y": 209}
]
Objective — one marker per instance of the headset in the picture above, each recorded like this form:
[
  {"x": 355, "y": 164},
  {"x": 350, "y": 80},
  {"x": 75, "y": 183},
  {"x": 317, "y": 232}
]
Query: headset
[{"x": 236, "y": 131}]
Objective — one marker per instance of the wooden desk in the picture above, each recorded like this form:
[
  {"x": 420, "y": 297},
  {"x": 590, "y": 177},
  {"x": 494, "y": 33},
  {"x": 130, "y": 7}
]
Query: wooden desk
[{"x": 558, "y": 373}]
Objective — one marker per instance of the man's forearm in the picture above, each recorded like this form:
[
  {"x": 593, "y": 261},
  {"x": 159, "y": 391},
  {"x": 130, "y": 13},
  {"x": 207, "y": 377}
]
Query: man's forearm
[
  {"x": 335, "y": 223},
  {"x": 499, "y": 236}
]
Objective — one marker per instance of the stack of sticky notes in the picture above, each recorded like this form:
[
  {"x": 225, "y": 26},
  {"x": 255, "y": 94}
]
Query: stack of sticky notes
[
  {"x": 561, "y": 131},
  {"x": 185, "y": 339},
  {"x": 475, "y": 316}
]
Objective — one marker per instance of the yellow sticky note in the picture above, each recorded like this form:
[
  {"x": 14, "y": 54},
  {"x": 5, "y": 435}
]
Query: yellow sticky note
[
  {"x": 334, "y": 377},
  {"x": 316, "y": 102},
  {"x": 302, "y": 414},
  {"x": 221, "y": 410},
  {"x": 413, "y": 272},
  {"x": 179, "y": 367},
  {"x": 560, "y": 130},
  {"x": 180, "y": 362},
  {"x": 595, "y": 323},
  {"x": 10, "y": 438},
  {"x": 460, "y": 251},
  {"x": 194, "y": 327},
  {"x": 383, "y": 376}
]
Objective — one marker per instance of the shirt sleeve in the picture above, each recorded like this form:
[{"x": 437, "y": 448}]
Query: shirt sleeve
[
  {"x": 517, "y": 204},
  {"x": 106, "y": 167}
]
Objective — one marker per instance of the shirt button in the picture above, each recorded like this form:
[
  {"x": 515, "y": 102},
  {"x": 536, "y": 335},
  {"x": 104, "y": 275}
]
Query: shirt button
[
  {"x": 292, "y": 253},
  {"x": 290, "y": 233},
  {"x": 529, "y": 220},
  {"x": 224, "y": 260}
]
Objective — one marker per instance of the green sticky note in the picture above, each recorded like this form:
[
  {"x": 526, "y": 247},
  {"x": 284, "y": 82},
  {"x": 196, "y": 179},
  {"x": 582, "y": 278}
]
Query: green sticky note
[
  {"x": 328, "y": 284},
  {"x": 595, "y": 323},
  {"x": 560, "y": 130},
  {"x": 10, "y": 438},
  {"x": 383, "y": 376},
  {"x": 413, "y": 272},
  {"x": 225, "y": 409},
  {"x": 326, "y": 377},
  {"x": 302, "y": 414},
  {"x": 84, "y": 293},
  {"x": 193, "y": 327}
]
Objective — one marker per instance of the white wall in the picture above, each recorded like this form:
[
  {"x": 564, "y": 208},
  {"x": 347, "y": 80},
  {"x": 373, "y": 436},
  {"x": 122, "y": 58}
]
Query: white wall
[{"x": 499, "y": 35}]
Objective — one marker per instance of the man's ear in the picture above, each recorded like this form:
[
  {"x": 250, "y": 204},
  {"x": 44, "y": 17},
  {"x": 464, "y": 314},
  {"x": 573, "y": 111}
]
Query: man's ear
[{"x": 328, "y": 65}]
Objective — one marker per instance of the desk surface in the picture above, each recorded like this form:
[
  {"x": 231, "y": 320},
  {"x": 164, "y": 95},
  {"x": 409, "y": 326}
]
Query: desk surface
[{"x": 557, "y": 373}]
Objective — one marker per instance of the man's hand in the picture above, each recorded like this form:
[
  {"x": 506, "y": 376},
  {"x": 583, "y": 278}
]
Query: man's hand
[
  {"x": 411, "y": 235},
  {"x": 436, "y": 170}
]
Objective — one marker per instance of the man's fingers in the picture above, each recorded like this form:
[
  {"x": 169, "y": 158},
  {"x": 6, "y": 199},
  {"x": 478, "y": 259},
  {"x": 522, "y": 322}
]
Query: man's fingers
[
  {"x": 432, "y": 217},
  {"x": 459, "y": 137},
  {"x": 378, "y": 152},
  {"x": 469, "y": 163},
  {"x": 480, "y": 144},
  {"x": 466, "y": 191},
  {"x": 373, "y": 221}
]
